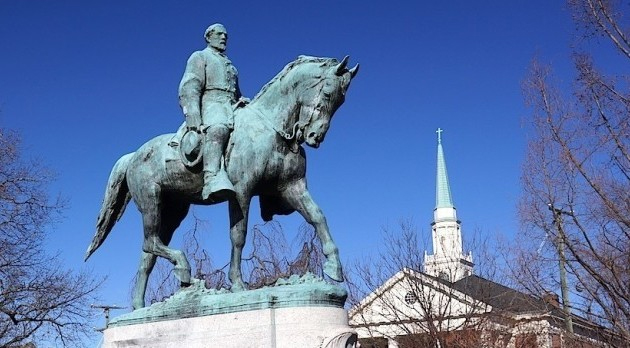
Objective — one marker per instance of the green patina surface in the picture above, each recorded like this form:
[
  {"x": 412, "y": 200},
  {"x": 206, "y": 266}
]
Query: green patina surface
[
  {"x": 443, "y": 190},
  {"x": 264, "y": 158},
  {"x": 196, "y": 300}
]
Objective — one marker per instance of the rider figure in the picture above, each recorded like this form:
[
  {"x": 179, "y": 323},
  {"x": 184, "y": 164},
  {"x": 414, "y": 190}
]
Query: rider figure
[{"x": 208, "y": 94}]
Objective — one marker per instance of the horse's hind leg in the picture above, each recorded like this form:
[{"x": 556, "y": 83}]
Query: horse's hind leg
[
  {"x": 150, "y": 205},
  {"x": 147, "y": 261},
  {"x": 298, "y": 197},
  {"x": 176, "y": 213}
]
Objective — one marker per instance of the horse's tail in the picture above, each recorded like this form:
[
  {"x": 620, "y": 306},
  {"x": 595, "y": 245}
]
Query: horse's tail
[{"x": 116, "y": 198}]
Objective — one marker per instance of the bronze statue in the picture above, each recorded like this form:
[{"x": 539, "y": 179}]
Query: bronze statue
[
  {"x": 208, "y": 94},
  {"x": 264, "y": 158}
]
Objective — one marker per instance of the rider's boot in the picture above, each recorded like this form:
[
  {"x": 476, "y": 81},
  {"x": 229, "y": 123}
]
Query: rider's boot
[{"x": 217, "y": 185}]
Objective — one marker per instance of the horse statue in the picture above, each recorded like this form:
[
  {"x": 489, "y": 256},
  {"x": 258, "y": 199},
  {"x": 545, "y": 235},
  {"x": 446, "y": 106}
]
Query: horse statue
[{"x": 264, "y": 158}]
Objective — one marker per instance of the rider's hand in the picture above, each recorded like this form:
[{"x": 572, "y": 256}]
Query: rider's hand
[{"x": 193, "y": 123}]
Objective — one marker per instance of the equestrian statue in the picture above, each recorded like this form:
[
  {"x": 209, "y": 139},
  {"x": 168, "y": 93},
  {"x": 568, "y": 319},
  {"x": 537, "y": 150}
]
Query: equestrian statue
[{"x": 251, "y": 148}]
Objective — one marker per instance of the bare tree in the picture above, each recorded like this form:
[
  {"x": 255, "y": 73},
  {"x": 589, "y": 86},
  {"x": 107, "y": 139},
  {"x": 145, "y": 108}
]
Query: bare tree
[
  {"x": 391, "y": 298},
  {"x": 40, "y": 300},
  {"x": 162, "y": 283},
  {"x": 576, "y": 176},
  {"x": 270, "y": 259}
]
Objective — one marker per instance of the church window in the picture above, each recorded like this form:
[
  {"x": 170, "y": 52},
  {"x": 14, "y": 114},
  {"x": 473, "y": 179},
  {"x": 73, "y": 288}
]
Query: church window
[{"x": 411, "y": 298}]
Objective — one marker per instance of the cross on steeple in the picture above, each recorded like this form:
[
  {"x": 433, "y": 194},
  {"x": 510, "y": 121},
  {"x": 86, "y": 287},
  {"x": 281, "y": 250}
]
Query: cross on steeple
[{"x": 439, "y": 133}]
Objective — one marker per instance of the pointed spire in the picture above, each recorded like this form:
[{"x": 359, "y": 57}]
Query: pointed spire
[
  {"x": 442, "y": 189},
  {"x": 448, "y": 260}
]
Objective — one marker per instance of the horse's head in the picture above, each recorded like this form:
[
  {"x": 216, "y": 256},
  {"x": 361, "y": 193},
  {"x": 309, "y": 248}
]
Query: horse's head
[
  {"x": 301, "y": 100},
  {"x": 323, "y": 93}
]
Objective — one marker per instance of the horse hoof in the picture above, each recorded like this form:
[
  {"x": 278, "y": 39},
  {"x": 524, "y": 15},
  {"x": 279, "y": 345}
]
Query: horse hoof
[{"x": 183, "y": 274}]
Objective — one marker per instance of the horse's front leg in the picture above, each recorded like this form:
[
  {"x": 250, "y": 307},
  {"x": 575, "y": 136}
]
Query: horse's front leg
[
  {"x": 297, "y": 195},
  {"x": 239, "y": 211}
]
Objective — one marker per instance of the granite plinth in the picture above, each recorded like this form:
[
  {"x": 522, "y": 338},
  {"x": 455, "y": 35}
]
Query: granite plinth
[
  {"x": 298, "y": 312},
  {"x": 303, "y": 327}
]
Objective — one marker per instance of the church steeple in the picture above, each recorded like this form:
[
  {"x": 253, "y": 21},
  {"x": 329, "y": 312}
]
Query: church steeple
[
  {"x": 443, "y": 197},
  {"x": 444, "y": 208},
  {"x": 448, "y": 260}
]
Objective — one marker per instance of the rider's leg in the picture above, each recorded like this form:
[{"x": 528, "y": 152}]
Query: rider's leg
[{"x": 217, "y": 185}]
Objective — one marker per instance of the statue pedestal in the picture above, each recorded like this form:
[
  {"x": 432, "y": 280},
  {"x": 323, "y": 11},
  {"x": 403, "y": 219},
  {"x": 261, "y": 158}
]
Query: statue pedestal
[
  {"x": 282, "y": 327},
  {"x": 309, "y": 314}
]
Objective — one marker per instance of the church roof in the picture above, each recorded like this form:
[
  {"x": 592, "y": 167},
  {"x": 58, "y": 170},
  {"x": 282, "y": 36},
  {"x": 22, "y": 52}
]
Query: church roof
[
  {"x": 503, "y": 298},
  {"x": 500, "y": 299},
  {"x": 406, "y": 274},
  {"x": 500, "y": 296}
]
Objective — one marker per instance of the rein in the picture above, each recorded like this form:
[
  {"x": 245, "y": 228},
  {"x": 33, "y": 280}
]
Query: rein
[{"x": 298, "y": 126}]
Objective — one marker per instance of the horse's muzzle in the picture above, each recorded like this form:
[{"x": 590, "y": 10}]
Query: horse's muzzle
[{"x": 313, "y": 139}]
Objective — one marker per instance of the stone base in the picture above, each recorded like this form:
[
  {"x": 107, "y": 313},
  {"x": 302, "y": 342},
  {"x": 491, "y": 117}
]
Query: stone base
[
  {"x": 301, "y": 312},
  {"x": 302, "y": 327}
]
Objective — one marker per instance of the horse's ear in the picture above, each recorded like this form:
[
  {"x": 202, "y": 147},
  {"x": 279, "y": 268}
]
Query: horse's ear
[
  {"x": 341, "y": 66},
  {"x": 354, "y": 70}
]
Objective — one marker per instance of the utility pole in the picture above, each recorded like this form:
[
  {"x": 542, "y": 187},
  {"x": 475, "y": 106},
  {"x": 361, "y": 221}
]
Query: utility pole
[
  {"x": 106, "y": 309},
  {"x": 560, "y": 242}
]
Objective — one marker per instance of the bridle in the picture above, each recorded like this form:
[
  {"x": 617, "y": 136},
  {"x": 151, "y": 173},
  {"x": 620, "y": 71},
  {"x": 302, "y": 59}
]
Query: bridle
[{"x": 296, "y": 131}]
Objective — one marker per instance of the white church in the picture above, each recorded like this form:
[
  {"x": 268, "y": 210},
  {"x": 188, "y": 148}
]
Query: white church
[{"x": 447, "y": 305}]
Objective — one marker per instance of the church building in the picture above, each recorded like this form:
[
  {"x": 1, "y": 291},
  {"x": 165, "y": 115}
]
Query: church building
[{"x": 446, "y": 305}]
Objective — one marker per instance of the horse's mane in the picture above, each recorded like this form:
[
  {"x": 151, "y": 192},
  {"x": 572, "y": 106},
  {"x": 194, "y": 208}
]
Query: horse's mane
[{"x": 299, "y": 61}]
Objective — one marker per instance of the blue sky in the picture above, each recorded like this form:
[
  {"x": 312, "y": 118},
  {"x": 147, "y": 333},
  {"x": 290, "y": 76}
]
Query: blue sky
[{"x": 88, "y": 81}]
